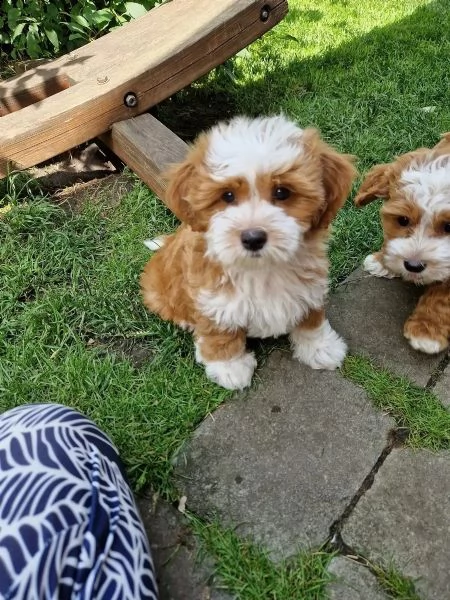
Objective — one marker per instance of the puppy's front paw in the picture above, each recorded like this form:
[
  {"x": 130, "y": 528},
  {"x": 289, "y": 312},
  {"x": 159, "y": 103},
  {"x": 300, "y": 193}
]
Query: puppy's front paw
[
  {"x": 320, "y": 348},
  {"x": 424, "y": 337},
  {"x": 427, "y": 345},
  {"x": 233, "y": 374},
  {"x": 373, "y": 266}
]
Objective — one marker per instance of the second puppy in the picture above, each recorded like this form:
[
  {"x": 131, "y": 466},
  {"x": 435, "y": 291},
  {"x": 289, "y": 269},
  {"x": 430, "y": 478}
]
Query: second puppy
[
  {"x": 416, "y": 223},
  {"x": 256, "y": 197}
]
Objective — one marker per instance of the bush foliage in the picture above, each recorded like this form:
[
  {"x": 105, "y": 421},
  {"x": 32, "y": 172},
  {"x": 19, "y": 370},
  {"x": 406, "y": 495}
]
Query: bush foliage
[{"x": 45, "y": 28}]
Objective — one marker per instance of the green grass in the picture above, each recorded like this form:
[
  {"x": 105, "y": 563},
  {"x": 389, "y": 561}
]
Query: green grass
[
  {"x": 357, "y": 70},
  {"x": 68, "y": 289},
  {"x": 396, "y": 585},
  {"x": 412, "y": 407},
  {"x": 246, "y": 570}
]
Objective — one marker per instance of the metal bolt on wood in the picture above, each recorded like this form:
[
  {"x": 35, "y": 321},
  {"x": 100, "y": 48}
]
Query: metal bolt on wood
[
  {"x": 265, "y": 13},
  {"x": 130, "y": 99}
]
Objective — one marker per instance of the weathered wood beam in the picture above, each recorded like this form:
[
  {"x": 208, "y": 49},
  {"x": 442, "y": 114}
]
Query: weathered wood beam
[
  {"x": 79, "y": 96},
  {"x": 148, "y": 147}
]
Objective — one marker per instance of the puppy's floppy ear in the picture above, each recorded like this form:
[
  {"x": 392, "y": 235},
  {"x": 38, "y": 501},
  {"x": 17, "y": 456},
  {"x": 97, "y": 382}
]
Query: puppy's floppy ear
[
  {"x": 444, "y": 142},
  {"x": 180, "y": 179},
  {"x": 182, "y": 184},
  {"x": 338, "y": 173},
  {"x": 375, "y": 185}
]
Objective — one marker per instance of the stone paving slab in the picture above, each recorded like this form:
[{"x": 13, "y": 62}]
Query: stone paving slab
[
  {"x": 353, "y": 581},
  {"x": 405, "y": 516},
  {"x": 442, "y": 387},
  {"x": 370, "y": 313},
  {"x": 283, "y": 461},
  {"x": 174, "y": 549}
]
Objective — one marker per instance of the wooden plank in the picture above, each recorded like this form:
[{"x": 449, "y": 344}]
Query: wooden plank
[
  {"x": 32, "y": 93},
  {"x": 154, "y": 57},
  {"x": 148, "y": 147}
]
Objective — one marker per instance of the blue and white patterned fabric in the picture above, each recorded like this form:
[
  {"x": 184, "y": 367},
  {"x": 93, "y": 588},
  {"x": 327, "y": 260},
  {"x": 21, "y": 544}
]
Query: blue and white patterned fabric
[{"x": 69, "y": 526}]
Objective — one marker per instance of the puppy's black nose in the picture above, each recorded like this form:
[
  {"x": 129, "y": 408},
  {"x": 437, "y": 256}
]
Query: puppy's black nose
[
  {"x": 414, "y": 266},
  {"x": 253, "y": 239}
]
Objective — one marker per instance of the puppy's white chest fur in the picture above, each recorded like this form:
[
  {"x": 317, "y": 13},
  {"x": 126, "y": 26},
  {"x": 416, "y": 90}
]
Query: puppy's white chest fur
[{"x": 266, "y": 302}]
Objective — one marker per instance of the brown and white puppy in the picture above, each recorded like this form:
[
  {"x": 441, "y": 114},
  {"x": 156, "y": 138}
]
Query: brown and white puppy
[
  {"x": 416, "y": 223},
  {"x": 256, "y": 197}
]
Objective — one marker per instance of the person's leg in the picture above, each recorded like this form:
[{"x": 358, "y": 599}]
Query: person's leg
[{"x": 69, "y": 526}]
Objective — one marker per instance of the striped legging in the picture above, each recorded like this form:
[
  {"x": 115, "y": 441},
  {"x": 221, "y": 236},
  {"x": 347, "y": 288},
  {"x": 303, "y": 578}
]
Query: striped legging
[{"x": 69, "y": 526}]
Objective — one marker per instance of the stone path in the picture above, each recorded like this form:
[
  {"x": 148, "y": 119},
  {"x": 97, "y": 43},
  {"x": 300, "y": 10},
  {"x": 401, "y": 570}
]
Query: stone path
[
  {"x": 174, "y": 551},
  {"x": 405, "y": 516},
  {"x": 304, "y": 458},
  {"x": 353, "y": 581},
  {"x": 370, "y": 312},
  {"x": 285, "y": 459}
]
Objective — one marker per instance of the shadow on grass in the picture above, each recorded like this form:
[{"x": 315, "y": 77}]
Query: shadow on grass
[{"x": 376, "y": 96}]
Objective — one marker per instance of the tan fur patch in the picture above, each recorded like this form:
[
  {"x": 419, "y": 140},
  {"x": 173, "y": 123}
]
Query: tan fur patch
[
  {"x": 219, "y": 345},
  {"x": 173, "y": 276},
  {"x": 431, "y": 317},
  {"x": 393, "y": 211},
  {"x": 314, "y": 319},
  {"x": 335, "y": 171},
  {"x": 441, "y": 222}
]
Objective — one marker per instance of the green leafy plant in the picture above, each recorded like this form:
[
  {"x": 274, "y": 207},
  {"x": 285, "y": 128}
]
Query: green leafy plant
[{"x": 47, "y": 27}]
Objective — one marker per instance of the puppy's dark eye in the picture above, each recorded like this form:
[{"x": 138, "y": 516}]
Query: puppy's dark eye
[
  {"x": 228, "y": 196},
  {"x": 403, "y": 221},
  {"x": 447, "y": 227},
  {"x": 280, "y": 193}
]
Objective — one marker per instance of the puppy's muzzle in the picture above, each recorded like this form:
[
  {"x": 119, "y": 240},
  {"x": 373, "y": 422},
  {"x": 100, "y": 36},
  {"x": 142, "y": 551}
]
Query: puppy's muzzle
[
  {"x": 253, "y": 239},
  {"x": 414, "y": 266}
]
